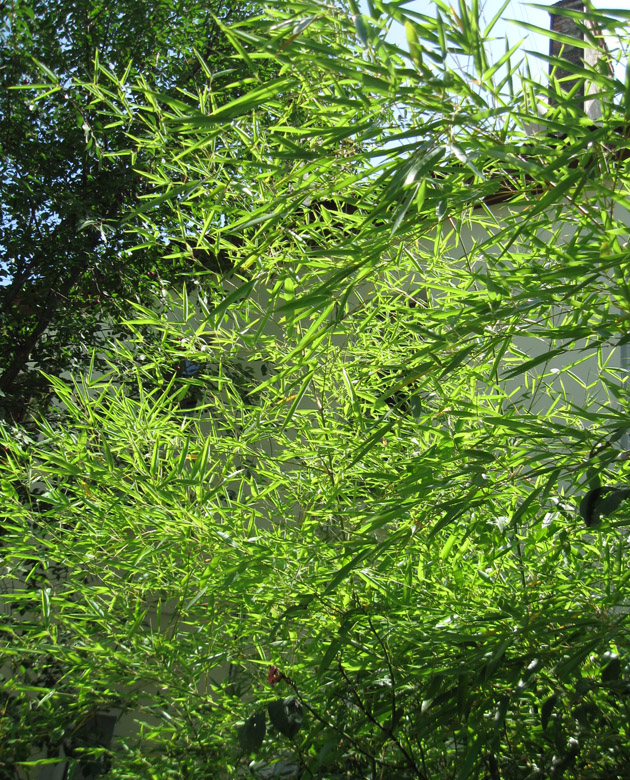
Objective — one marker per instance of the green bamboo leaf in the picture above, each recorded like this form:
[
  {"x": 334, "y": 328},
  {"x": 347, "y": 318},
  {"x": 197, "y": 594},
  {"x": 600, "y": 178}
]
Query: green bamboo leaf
[
  {"x": 592, "y": 76},
  {"x": 361, "y": 28},
  {"x": 453, "y": 510},
  {"x": 401, "y": 212},
  {"x": 570, "y": 665},
  {"x": 346, "y": 570},
  {"x": 415, "y": 48},
  {"x": 315, "y": 331},
  {"x": 489, "y": 73},
  {"x": 470, "y": 759},
  {"x": 421, "y": 195},
  {"x": 545, "y": 357},
  {"x": 298, "y": 398},
  {"x": 554, "y": 35},
  {"x": 498, "y": 14},
  {"x": 375, "y": 8},
  {"x": 236, "y": 296},
  {"x": 496, "y": 658},
  {"x": 448, "y": 546},
  {"x": 242, "y": 105},
  {"x": 525, "y": 506},
  {"x": 328, "y": 657}
]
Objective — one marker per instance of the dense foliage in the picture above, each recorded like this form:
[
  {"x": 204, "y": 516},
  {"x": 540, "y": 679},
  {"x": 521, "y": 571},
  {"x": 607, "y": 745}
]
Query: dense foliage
[
  {"x": 65, "y": 256},
  {"x": 358, "y": 508}
]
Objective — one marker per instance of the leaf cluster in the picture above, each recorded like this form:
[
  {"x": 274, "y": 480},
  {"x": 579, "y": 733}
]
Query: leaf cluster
[{"x": 368, "y": 466}]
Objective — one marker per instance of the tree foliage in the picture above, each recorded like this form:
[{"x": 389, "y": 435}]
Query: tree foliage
[
  {"x": 65, "y": 255},
  {"x": 358, "y": 508}
]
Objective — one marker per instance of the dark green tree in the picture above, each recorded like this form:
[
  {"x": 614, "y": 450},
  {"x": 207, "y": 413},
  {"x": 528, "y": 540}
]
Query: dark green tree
[{"x": 64, "y": 255}]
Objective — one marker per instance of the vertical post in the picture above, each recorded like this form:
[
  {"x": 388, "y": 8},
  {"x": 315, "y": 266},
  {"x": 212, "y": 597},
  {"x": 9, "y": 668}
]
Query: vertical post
[
  {"x": 570, "y": 54},
  {"x": 575, "y": 55}
]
